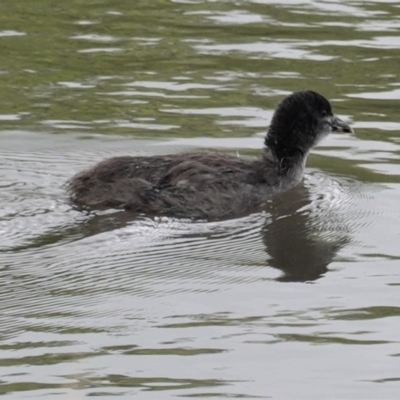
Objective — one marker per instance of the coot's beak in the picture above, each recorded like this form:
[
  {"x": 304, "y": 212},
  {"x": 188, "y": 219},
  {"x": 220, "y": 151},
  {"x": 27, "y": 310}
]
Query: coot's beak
[{"x": 340, "y": 126}]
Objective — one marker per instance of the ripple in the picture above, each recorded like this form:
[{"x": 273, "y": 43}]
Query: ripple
[
  {"x": 385, "y": 95},
  {"x": 321, "y": 7},
  {"x": 233, "y": 17},
  {"x": 153, "y": 94},
  {"x": 275, "y": 49},
  {"x": 135, "y": 125},
  {"x": 11, "y": 33},
  {"x": 379, "y": 42},
  {"x": 76, "y": 85},
  {"x": 183, "y": 249},
  {"x": 101, "y": 50},
  {"x": 383, "y": 125},
  {"x": 96, "y": 38},
  {"x": 172, "y": 86},
  {"x": 10, "y": 117}
]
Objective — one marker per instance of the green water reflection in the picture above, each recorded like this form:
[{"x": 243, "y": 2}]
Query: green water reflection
[{"x": 147, "y": 68}]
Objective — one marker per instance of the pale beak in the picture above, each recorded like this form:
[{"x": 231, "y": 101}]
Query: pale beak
[{"x": 340, "y": 126}]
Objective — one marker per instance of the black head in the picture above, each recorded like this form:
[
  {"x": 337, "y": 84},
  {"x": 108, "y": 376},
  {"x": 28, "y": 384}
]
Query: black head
[{"x": 300, "y": 122}]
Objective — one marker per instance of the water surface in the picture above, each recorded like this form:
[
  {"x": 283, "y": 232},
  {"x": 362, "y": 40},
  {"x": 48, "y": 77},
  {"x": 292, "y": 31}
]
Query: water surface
[{"x": 300, "y": 301}]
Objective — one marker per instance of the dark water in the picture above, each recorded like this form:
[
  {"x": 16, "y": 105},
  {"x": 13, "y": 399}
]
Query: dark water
[{"x": 298, "y": 302}]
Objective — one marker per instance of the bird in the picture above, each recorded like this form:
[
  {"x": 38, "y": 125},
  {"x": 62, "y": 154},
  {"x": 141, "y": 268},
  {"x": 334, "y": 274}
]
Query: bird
[{"x": 212, "y": 185}]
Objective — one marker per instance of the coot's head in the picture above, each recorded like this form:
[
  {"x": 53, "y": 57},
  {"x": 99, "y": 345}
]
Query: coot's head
[{"x": 300, "y": 122}]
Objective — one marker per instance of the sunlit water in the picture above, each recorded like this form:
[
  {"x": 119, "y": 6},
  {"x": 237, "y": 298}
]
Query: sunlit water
[{"x": 300, "y": 301}]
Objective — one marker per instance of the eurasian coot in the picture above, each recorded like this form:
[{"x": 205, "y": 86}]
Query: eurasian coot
[{"x": 212, "y": 185}]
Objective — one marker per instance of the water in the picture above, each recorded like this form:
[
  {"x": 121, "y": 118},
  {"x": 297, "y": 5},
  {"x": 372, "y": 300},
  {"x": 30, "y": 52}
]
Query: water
[{"x": 298, "y": 302}]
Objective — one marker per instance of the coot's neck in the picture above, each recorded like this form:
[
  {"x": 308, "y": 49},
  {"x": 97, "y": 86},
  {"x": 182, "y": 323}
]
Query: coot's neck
[{"x": 288, "y": 162}]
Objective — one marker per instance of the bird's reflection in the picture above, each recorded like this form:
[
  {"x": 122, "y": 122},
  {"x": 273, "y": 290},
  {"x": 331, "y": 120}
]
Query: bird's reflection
[
  {"x": 298, "y": 236},
  {"x": 301, "y": 235}
]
